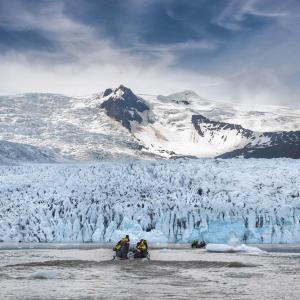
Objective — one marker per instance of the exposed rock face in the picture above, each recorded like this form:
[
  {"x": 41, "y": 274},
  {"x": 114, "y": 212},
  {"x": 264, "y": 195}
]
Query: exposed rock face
[
  {"x": 260, "y": 145},
  {"x": 107, "y": 92},
  {"x": 124, "y": 106},
  {"x": 203, "y": 124},
  {"x": 280, "y": 144}
]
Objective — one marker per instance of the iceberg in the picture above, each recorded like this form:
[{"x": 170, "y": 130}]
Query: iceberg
[{"x": 232, "y": 247}]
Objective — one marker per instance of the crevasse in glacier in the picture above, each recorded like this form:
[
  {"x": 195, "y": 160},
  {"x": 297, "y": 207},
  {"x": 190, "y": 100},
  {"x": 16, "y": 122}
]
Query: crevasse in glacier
[{"x": 255, "y": 200}]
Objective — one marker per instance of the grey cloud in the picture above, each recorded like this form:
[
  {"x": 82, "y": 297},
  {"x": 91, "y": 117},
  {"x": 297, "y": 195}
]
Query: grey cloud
[{"x": 243, "y": 51}]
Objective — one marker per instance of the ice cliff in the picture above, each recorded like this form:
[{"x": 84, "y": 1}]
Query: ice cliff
[{"x": 255, "y": 200}]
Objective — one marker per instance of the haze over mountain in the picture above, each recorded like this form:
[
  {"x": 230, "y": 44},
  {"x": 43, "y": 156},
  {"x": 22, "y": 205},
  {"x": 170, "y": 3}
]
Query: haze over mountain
[
  {"x": 235, "y": 51},
  {"x": 118, "y": 124}
]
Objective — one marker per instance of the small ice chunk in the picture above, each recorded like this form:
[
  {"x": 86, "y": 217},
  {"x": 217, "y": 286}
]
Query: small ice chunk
[
  {"x": 43, "y": 274},
  {"x": 251, "y": 250},
  {"x": 224, "y": 248},
  {"x": 221, "y": 248}
]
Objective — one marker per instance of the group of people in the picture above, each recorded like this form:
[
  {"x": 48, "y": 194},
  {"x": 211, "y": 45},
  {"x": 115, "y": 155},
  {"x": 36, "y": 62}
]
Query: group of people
[{"x": 123, "y": 246}]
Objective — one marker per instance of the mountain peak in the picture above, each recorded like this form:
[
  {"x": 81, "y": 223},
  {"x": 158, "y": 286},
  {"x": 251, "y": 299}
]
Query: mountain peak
[
  {"x": 124, "y": 106},
  {"x": 121, "y": 92},
  {"x": 107, "y": 92},
  {"x": 189, "y": 93},
  {"x": 122, "y": 88},
  {"x": 185, "y": 97}
]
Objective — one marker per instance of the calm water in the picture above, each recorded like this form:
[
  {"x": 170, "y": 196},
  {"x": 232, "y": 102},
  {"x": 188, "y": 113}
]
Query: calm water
[{"x": 87, "y": 272}]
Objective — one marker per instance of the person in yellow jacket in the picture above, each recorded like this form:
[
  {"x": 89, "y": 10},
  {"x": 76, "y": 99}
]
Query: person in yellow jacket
[
  {"x": 141, "y": 249},
  {"x": 122, "y": 247}
]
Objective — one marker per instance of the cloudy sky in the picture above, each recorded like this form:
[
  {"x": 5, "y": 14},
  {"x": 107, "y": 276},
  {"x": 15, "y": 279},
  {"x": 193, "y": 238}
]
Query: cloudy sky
[{"x": 244, "y": 51}]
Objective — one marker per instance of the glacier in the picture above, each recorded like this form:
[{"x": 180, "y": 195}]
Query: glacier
[
  {"x": 254, "y": 200},
  {"x": 39, "y": 127}
]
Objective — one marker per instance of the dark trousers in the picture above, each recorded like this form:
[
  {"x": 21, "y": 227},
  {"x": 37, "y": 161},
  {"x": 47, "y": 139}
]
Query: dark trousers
[
  {"x": 140, "y": 254},
  {"x": 122, "y": 253}
]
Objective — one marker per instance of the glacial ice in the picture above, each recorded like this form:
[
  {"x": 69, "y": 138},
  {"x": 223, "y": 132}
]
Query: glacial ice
[
  {"x": 232, "y": 247},
  {"x": 255, "y": 200},
  {"x": 43, "y": 274}
]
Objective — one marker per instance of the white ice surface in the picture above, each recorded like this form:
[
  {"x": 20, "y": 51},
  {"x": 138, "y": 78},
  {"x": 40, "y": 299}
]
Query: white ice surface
[
  {"x": 224, "y": 248},
  {"x": 255, "y": 200},
  {"x": 43, "y": 274}
]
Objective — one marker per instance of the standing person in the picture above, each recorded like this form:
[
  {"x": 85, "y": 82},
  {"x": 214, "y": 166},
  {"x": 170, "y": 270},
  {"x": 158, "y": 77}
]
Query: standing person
[
  {"x": 122, "y": 247},
  {"x": 141, "y": 249}
]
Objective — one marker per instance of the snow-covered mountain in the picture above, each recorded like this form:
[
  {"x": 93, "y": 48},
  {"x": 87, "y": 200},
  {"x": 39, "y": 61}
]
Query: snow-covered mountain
[
  {"x": 76, "y": 129},
  {"x": 120, "y": 124},
  {"x": 173, "y": 126},
  {"x": 269, "y": 145},
  {"x": 260, "y": 145},
  {"x": 124, "y": 106},
  {"x": 12, "y": 153}
]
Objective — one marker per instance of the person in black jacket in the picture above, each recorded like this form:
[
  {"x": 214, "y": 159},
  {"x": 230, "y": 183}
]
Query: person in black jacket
[
  {"x": 122, "y": 247},
  {"x": 141, "y": 249}
]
